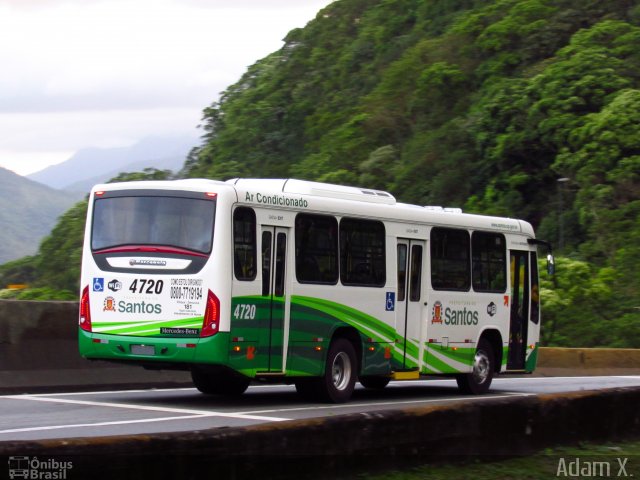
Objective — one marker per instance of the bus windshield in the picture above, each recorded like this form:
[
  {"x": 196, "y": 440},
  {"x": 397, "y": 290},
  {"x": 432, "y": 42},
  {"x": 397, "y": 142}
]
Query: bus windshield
[{"x": 152, "y": 220}]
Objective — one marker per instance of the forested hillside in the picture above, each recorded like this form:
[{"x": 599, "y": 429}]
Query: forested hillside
[
  {"x": 525, "y": 108},
  {"x": 54, "y": 272},
  {"x": 28, "y": 211}
]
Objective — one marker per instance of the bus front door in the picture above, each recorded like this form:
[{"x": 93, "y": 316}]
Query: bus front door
[
  {"x": 519, "y": 309},
  {"x": 408, "y": 303},
  {"x": 274, "y": 268}
]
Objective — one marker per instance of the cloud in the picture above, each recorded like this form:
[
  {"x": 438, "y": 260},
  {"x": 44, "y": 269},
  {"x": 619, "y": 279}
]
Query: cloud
[
  {"x": 253, "y": 4},
  {"x": 79, "y": 73},
  {"x": 32, "y": 141},
  {"x": 211, "y": 4},
  {"x": 79, "y": 55},
  {"x": 113, "y": 128}
]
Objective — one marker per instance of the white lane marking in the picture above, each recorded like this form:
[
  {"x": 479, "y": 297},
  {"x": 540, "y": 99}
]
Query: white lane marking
[
  {"x": 101, "y": 424},
  {"x": 146, "y": 390},
  {"x": 101, "y": 392},
  {"x": 194, "y": 414},
  {"x": 429, "y": 381},
  {"x": 129, "y": 406},
  {"x": 382, "y": 404}
]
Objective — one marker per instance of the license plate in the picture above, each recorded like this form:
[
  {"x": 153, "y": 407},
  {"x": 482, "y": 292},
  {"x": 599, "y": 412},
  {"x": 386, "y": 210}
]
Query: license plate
[{"x": 143, "y": 350}]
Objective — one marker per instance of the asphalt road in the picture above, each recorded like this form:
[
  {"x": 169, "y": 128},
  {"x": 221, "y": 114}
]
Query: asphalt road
[{"x": 88, "y": 414}]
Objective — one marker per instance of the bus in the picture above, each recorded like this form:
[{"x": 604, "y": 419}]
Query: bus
[{"x": 304, "y": 283}]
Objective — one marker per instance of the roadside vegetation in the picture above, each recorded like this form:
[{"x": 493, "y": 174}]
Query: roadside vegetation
[{"x": 557, "y": 462}]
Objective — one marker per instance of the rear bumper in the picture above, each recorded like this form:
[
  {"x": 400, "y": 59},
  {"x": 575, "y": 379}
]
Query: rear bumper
[{"x": 149, "y": 350}]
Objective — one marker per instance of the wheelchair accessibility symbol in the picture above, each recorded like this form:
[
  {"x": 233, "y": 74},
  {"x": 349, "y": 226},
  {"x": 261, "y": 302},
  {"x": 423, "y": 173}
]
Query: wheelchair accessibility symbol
[
  {"x": 390, "y": 304},
  {"x": 98, "y": 284}
]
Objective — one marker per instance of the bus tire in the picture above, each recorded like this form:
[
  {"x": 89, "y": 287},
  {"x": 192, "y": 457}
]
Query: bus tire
[
  {"x": 229, "y": 385},
  {"x": 374, "y": 383},
  {"x": 479, "y": 380},
  {"x": 339, "y": 379}
]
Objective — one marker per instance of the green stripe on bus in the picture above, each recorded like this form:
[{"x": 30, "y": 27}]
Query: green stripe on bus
[
  {"x": 367, "y": 325},
  {"x": 145, "y": 328}
]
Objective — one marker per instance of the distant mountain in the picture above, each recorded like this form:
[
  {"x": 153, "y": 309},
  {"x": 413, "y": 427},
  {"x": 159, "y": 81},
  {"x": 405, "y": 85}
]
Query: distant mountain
[
  {"x": 28, "y": 212},
  {"x": 95, "y": 165},
  {"x": 173, "y": 163}
]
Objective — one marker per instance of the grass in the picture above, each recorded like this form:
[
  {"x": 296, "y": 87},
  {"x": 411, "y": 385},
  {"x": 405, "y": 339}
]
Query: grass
[{"x": 557, "y": 462}]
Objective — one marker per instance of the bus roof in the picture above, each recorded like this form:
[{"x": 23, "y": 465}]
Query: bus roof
[{"x": 336, "y": 199}]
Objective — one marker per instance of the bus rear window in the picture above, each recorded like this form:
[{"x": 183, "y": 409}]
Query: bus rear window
[{"x": 152, "y": 220}]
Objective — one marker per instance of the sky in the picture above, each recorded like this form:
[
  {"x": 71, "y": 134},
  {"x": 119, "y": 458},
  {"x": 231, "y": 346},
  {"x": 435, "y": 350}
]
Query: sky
[{"x": 107, "y": 73}]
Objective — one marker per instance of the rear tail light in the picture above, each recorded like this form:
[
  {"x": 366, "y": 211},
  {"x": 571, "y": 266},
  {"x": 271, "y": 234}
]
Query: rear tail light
[
  {"x": 85, "y": 313},
  {"x": 211, "y": 322}
]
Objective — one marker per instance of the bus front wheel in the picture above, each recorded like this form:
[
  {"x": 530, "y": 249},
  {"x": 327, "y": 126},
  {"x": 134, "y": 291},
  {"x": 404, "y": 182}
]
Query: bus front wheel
[
  {"x": 479, "y": 380},
  {"x": 219, "y": 384}
]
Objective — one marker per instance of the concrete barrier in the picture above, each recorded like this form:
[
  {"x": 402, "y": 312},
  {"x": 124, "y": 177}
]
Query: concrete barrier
[
  {"x": 38, "y": 351},
  {"x": 336, "y": 447},
  {"x": 588, "y": 361}
]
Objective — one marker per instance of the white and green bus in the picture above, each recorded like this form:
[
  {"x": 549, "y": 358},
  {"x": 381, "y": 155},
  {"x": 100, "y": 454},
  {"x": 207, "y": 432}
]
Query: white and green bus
[{"x": 307, "y": 283}]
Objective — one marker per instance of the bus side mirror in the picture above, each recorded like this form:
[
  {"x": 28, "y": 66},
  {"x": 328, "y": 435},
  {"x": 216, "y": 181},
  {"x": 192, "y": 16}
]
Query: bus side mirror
[{"x": 551, "y": 266}]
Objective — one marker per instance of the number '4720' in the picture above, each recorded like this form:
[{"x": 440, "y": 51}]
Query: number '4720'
[
  {"x": 147, "y": 286},
  {"x": 244, "y": 311}
]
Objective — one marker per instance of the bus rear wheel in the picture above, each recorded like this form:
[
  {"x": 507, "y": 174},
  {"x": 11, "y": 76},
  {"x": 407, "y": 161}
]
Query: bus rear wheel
[
  {"x": 339, "y": 379},
  {"x": 479, "y": 380},
  {"x": 219, "y": 383}
]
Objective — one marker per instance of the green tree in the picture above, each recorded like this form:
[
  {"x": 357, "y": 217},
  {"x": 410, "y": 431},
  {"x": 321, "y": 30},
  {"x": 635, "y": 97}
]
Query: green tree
[
  {"x": 146, "y": 174},
  {"x": 59, "y": 256},
  {"x": 576, "y": 305},
  {"x": 22, "y": 271}
]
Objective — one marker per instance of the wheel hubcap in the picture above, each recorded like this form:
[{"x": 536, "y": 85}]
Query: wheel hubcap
[
  {"x": 481, "y": 367},
  {"x": 341, "y": 371}
]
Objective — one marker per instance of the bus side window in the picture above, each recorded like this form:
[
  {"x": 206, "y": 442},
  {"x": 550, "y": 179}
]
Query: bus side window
[
  {"x": 489, "y": 258},
  {"x": 316, "y": 249},
  {"x": 362, "y": 253},
  {"x": 244, "y": 244},
  {"x": 450, "y": 268}
]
